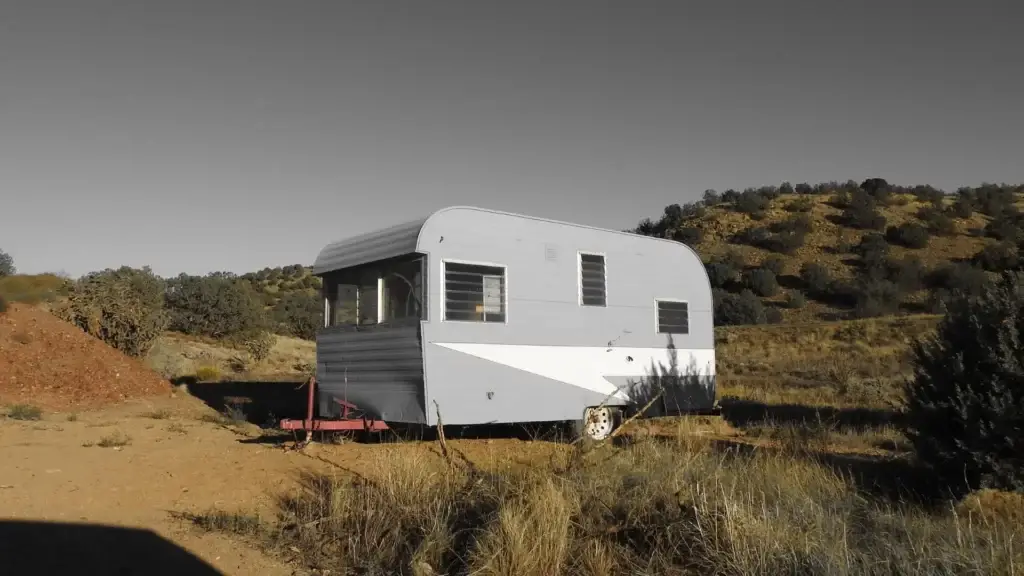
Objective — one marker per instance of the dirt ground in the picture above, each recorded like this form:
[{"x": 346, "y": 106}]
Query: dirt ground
[
  {"x": 180, "y": 459},
  {"x": 53, "y": 469}
]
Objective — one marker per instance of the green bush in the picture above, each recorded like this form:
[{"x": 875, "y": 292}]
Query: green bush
[
  {"x": 908, "y": 234},
  {"x": 761, "y": 281},
  {"x": 815, "y": 277},
  {"x": 299, "y": 314},
  {"x": 963, "y": 411},
  {"x": 936, "y": 222},
  {"x": 862, "y": 212},
  {"x": 774, "y": 263},
  {"x": 720, "y": 274},
  {"x": 998, "y": 257},
  {"x": 875, "y": 297},
  {"x": 795, "y": 300},
  {"x": 802, "y": 204},
  {"x": 213, "y": 306},
  {"x": 3, "y": 304},
  {"x": 734, "y": 309},
  {"x": 122, "y": 307},
  {"x": 259, "y": 345},
  {"x": 6, "y": 264}
]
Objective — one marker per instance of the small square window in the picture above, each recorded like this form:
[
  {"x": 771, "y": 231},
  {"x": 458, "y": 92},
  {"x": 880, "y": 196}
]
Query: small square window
[
  {"x": 592, "y": 280},
  {"x": 673, "y": 317}
]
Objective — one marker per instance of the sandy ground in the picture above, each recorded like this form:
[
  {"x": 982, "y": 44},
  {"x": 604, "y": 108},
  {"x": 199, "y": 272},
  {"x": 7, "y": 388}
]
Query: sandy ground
[
  {"x": 53, "y": 470},
  {"x": 178, "y": 460}
]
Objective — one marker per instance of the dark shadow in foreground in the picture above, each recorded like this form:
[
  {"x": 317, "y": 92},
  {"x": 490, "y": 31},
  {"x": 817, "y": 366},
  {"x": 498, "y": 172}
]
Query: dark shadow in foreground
[
  {"x": 748, "y": 412},
  {"x": 45, "y": 548}
]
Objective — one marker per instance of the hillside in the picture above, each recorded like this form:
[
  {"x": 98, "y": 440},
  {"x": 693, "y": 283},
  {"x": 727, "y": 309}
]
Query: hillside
[{"x": 870, "y": 252}]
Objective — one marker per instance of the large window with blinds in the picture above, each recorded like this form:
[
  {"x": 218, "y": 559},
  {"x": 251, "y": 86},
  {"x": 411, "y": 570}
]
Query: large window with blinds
[
  {"x": 474, "y": 292},
  {"x": 592, "y": 280},
  {"x": 673, "y": 317}
]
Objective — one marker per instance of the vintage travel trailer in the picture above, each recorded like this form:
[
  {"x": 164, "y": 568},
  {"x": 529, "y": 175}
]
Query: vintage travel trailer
[{"x": 491, "y": 317}]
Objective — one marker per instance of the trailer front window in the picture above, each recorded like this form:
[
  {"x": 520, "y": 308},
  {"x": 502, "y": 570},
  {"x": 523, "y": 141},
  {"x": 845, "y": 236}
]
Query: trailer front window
[{"x": 474, "y": 293}]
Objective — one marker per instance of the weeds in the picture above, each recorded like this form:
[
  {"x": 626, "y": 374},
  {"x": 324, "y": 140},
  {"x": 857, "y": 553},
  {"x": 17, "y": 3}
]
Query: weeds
[
  {"x": 114, "y": 440},
  {"x": 659, "y": 505},
  {"x": 25, "y": 412}
]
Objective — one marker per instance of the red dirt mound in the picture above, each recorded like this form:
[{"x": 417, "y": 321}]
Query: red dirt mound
[{"x": 49, "y": 363}]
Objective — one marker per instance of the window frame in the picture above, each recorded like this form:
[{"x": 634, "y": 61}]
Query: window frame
[
  {"x": 330, "y": 282},
  {"x": 443, "y": 291},
  {"x": 657, "y": 315},
  {"x": 579, "y": 278}
]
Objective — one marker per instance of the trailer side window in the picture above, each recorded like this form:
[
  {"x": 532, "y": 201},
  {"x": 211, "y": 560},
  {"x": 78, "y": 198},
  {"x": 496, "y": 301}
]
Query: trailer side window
[
  {"x": 474, "y": 293},
  {"x": 592, "y": 280},
  {"x": 673, "y": 317}
]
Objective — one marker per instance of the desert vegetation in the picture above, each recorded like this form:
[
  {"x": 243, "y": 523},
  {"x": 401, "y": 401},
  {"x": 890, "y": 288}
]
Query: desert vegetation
[{"x": 870, "y": 372}]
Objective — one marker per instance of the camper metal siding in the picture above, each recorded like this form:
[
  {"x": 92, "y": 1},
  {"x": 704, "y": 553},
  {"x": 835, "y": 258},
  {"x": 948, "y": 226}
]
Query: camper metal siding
[
  {"x": 377, "y": 368},
  {"x": 377, "y": 245},
  {"x": 543, "y": 309}
]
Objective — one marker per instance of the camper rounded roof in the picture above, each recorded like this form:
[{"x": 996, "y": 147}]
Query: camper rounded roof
[{"x": 403, "y": 239}]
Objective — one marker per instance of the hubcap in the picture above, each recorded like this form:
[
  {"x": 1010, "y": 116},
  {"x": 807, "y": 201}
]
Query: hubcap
[{"x": 598, "y": 422}]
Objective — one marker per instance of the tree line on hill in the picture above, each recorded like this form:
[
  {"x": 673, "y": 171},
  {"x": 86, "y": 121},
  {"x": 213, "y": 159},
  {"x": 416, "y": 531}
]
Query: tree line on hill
[{"x": 880, "y": 281}]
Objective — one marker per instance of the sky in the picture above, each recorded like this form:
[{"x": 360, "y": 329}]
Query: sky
[{"x": 202, "y": 135}]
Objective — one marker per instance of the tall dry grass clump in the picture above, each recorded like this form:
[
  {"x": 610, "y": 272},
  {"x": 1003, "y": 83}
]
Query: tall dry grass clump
[{"x": 653, "y": 507}]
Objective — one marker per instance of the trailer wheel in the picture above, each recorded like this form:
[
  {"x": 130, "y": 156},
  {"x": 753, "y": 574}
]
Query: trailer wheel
[{"x": 599, "y": 422}]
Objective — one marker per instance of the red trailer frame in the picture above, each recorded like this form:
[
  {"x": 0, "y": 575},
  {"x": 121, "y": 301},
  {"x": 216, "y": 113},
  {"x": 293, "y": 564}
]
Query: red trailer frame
[{"x": 346, "y": 424}]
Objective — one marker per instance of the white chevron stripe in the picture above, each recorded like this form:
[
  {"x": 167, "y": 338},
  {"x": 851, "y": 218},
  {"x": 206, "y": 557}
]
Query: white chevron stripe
[{"x": 587, "y": 366}]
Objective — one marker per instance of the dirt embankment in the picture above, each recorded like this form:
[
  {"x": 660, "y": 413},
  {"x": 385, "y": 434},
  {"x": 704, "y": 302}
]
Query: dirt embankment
[{"x": 49, "y": 363}]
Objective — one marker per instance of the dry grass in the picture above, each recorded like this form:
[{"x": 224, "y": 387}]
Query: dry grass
[
  {"x": 177, "y": 355},
  {"x": 652, "y": 507},
  {"x": 24, "y": 412},
  {"x": 852, "y": 364}
]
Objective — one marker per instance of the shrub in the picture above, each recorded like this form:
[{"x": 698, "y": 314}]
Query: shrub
[
  {"x": 733, "y": 309},
  {"x": 712, "y": 198},
  {"x": 25, "y": 412},
  {"x": 862, "y": 213},
  {"x": 752, "y": 202},
  {"x": 908, "y": 234},
  {"x": 688, "y": 235},
  {"x": 795, "y": 300},
  {"x": 123, "y": 307},
  {"x": 6, "y": 264},
  {"x": 299, "y": 314},
  {"x": 774, "y": 263},
  {"x": 907, "y": 273},
  {"x": 799, "y": 224},
  {"x": 961, "y": 208},
  {"x": 872, "y": 250},
  {"x": 998, "y": 257},
  {"x": 761, "y": 281},
  {"x": 936, "y": 222},
  {"x": 959, "y": 278},
  {"x": 1006, "y": 227},
  {"x": 784, "y": 242},
  {"x": 815, "y": 277},
  {"x": 733, "y": 258},
  {"x": 878, "y": 189},
  {"x": 802, "y": 204},
  {"x": 772, "y": 315},
  {"x": 963, "y": 408},
  {"x": 259, "y": 345},
  {"x": 3, "y": 304},
  {"x": 213, "y": 306},
  {"x": 720, "y": 274},
  {"x": 928, "y": 194},
  {"x": 873, "y": 297}
]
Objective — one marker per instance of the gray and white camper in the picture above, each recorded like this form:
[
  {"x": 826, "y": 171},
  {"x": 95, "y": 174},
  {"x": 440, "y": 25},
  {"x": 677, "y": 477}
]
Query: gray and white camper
[{"x": 490, "y": 317}]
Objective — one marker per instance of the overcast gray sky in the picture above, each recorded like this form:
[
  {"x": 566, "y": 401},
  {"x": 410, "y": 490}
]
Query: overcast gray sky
[{"x": 232, "y": 135}]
